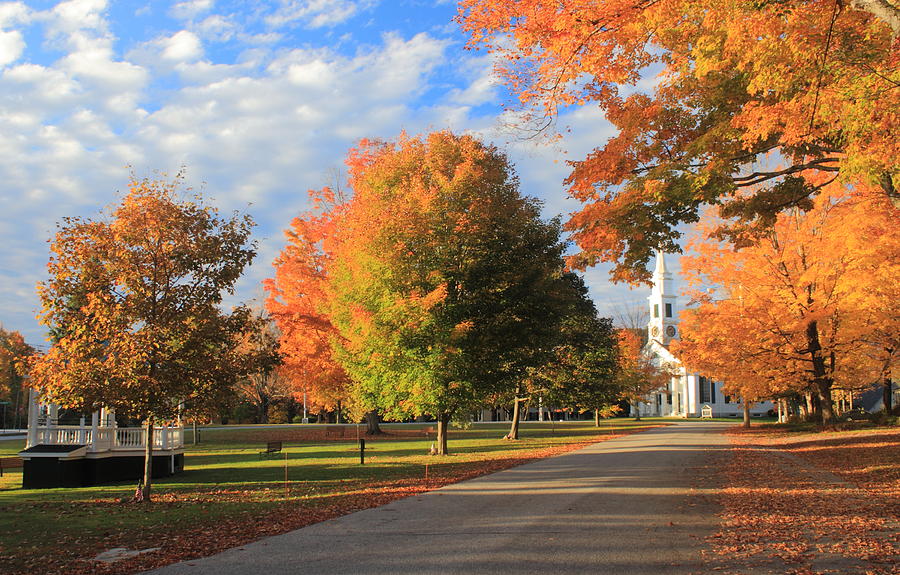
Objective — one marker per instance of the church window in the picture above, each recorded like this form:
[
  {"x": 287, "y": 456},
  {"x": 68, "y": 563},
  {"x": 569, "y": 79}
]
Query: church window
[
  {"x": 707, "y": 390},
  {"x": 669, "y": 397},
  {"x": 656, "y": 310},
  {"x": 668, "y": 310},
  {"x": 727, "y": 399},
  {"x": 704, "y": 390}
]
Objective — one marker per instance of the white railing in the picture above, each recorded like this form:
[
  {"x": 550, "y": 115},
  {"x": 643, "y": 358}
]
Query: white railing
[
  {"x": 67, "y": 435},
  {"x": 129, "y": 438},
  {"x": 163, "y": 438},
  {"x": 110, "y": 438},
  {"x": 106, "y": 439}
]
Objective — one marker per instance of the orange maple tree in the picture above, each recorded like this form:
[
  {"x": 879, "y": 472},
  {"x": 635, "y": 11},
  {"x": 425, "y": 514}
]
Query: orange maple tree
[
  {"x": 445, "y": 285},
  {"x": 133, "y": 304},
  {"x": 755, "y": 106},
  {"x": 638, "y": 374},
  {"x": 298, "y": 302},
  {"x": 811, "y": 306},
  {"x": 13, "y": 353},
  {"x": 715, "y": 341}
]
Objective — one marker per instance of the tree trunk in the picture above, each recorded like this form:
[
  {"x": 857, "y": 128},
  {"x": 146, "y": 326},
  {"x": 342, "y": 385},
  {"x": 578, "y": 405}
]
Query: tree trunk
[
  {"x": 143, "y": 491},
  {"x": 637, "y": 411},
  {"x": 443, "y": 424},
  {"x": 597, "y": 417},
  {"x": 514, "y": 425},
  {"x": 823, "y": 387},
  {"x": 746, "y": 413},
  {"x": 821, "y": 377},
  {"x": 372, "y": 427},
  {"x": 264, "y": 410},
  {"x": 337, "y": 412},
  {"x": 887, "y": 395}
]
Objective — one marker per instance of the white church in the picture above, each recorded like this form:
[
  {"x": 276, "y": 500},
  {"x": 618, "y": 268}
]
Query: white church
[{"x": 688, "y": 394}]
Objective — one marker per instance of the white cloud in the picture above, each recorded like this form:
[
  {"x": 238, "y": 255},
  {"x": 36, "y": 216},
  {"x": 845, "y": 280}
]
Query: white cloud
[
  {"x": 69, "y": 18},
  {"x": 12, "y": 13},
  {"x": 12, "y": 42},
  {"x": 191, "y": 9},
  {"x": 260, "y": 129},
  {"x": 218, "y": 28},
  {"x": 162, "y": 55},
  {"x": 11, "y": 47},
  {"x": 482, "y": 82},
  {"x": 183, "y": 46},
  {"x": 402, "y": 66},
  {"x": 93, "y": 61},
  {"x": 316, "y": 13}
]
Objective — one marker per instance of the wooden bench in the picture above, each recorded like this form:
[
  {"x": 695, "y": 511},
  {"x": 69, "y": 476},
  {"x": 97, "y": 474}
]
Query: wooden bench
[
  {"x": 271, "y": 447},
  {"x": 9, "y": 463}
]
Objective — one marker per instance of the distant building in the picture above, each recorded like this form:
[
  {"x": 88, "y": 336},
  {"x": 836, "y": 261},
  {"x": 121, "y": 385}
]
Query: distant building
[{"x": 688, "y": 392}]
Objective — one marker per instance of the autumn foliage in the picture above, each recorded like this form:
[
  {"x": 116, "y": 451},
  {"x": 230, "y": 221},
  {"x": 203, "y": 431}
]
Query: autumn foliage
[
  {"x": 13, "y": 354},
  {"x": 804, "y": 503},
  {"x": 433, "y": 287},
  {"x": 133, "y": 304},
  {"x": 756, "y": 106},
  {"x": 298, "y": 303},
  {"x": 810, "y": 308},
  {"x": 638, "y": 374}
]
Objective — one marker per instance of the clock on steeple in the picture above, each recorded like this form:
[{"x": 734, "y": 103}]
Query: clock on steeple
[{"x": 662, "y": 300}]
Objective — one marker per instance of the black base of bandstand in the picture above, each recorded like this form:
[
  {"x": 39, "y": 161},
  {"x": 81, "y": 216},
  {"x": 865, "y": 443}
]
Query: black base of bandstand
[{"x": 49, "y": 472}]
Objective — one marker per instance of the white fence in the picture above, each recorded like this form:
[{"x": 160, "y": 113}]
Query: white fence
[{"x": 110, "y": 438}]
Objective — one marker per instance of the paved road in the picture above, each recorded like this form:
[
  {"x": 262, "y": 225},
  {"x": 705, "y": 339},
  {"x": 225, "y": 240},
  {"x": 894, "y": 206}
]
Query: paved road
[{"x": 620, "y": 506}]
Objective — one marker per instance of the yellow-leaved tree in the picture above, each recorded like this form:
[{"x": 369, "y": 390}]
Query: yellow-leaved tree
[
  {"x": 703, "y": 93},
  {"x": 810, "y": 307},
  {"x": 133, "y": 302}
]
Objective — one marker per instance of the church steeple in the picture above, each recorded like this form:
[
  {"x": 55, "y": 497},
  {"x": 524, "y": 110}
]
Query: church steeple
[
  {"x": 661, "y": 270},
  {"x": 663, "y": 323}
]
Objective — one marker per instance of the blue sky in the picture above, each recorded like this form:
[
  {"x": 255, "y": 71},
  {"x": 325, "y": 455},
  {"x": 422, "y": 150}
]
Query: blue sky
[{"x": 259, "y": 101}]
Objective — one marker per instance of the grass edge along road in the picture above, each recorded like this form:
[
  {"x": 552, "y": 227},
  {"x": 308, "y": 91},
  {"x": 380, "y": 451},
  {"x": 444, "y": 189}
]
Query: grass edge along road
[{"x": 230, "y": 495}]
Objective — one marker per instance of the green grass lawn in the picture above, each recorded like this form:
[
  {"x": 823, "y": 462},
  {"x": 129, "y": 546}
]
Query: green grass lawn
[
  {"x": 227, "y": 485},
  {"x": 11, "y": 448}
]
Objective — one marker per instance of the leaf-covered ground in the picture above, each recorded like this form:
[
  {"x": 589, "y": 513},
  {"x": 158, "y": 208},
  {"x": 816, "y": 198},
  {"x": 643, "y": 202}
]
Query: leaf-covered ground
[
  {"x": 237, "y": 497},
  {"x": 810, "y": 503}
]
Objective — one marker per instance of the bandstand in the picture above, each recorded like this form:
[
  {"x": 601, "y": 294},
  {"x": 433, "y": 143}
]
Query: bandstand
[{"x": 90, "y": 454}]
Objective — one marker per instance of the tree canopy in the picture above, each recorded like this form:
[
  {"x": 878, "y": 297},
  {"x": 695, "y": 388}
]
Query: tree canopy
[
  {"x": 583, "y": 370},
  {"x": 444, "y": 278},
  {"x": 755, "y": 107},
  {"x": 809, "y": 308},
  {"x": 638, "y": 373},
  {"x": 134, "y": 300},
  {"x": 14, "y": 352},
  {"x": 298, "y": 302},
  {"x": 435, "y": 284}
]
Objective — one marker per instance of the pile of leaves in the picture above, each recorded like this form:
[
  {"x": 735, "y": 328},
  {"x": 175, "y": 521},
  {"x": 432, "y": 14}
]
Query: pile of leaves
[
  {"x": 224, "y": 518},
  {"x": 810, "y": 504}
]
